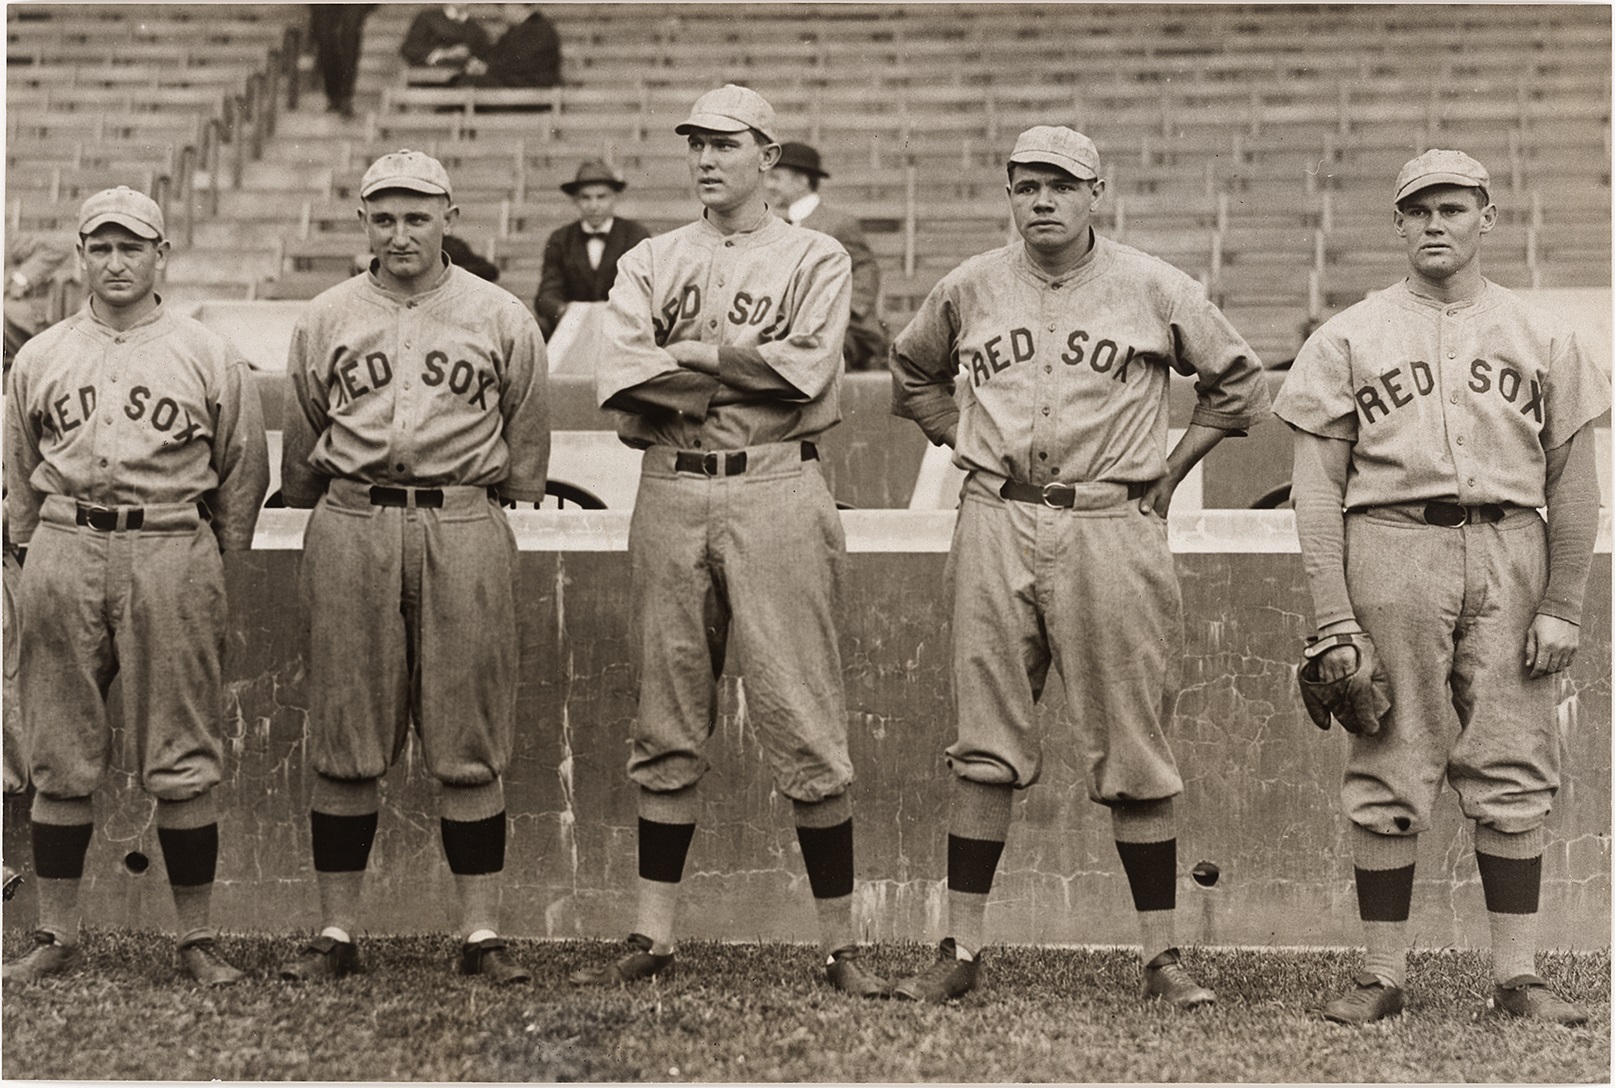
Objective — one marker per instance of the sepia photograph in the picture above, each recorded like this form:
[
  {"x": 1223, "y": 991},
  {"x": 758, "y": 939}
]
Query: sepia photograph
[{"x": 892, "y": 542}]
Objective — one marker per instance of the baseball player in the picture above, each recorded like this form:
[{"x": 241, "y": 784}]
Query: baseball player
[
  {"x": 1431, "y": 420},
  {"x": 723, "y": 364},
  {"x": 135, "y": 456},
  {"x": 419, "y": 405},
  {"x": 793, "y": 188},
  {"x": 1065, "y": 341}
]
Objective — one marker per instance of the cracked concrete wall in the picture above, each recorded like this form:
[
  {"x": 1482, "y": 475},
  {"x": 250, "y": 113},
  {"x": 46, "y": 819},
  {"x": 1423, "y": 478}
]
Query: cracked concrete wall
[{"x": 1260, "y": 798}]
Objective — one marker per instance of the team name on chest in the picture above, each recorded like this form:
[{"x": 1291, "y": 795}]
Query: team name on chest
[
  {"x": 999, "y": 352},
  {"x": 1384, "y": 396},
  {"x": 360, "y": 376},
  {"x": 746, "y": 310},
  {"x": 163, "y": 414}
]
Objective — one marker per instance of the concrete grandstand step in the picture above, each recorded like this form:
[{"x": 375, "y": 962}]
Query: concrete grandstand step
[
  {"x": 310, "y": 119},
  {"x": 239, "y": 234},
  {"x": 283, "y": 177},
  {"x": 224, "y": 265}
]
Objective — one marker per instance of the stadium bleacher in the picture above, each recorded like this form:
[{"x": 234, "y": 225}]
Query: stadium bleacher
[{"x": 1249, "y": 145}]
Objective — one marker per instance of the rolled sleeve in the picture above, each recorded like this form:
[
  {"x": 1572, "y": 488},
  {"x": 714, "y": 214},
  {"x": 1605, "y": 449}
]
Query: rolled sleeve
[
  {"x": 922, "y": 366},
  {"x": 240, "y": 459}
]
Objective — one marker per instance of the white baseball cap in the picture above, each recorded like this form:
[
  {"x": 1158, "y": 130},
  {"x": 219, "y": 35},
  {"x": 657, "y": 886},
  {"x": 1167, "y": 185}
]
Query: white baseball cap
[
  {"x": 1056, "y": 145},
  {"x": 730, "y": 108},
  {"x": 135, "y": 211},
  {"x": 1439, "y": 167},
  {"x": 415, "y": 171}
]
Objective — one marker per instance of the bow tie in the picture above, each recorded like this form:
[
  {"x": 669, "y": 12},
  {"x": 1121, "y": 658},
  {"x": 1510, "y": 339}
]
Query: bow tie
[{"x": 587, "y": 233}]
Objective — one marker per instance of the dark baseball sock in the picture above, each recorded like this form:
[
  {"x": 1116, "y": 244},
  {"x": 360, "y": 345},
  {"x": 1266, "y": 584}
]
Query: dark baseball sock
[
  {"x": 1384, "y": 895},
  {"x": 971, "y": 866},
  {"x": 191, "y": 856},
  {"x": 1151, "y": 869},
  {"x": 662, "y": 851},
  {"x": 474, "y": 847},
  {"x": 341, "y": 853},
  {"x": 1511, "y": 879},
  {"x": 827, "y": 856},
  {"x": 59, "y": 851}
]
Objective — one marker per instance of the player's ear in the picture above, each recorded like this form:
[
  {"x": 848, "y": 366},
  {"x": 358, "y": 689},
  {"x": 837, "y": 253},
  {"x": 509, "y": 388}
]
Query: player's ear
[
  {"x": 1399, "y": 222},
  {"x": 1098, "y": 191},
  {"x": 450, "y": 217},
  {"x": 771, "y": 154},
  {"x": 1488, "y": 218},
  {"x": 163, "y": 247}
]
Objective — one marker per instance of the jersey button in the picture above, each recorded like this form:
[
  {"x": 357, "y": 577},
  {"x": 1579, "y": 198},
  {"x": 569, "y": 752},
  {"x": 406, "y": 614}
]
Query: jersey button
[
  {"x": 400, "y": 467},
  {"x": 1045, "y": 411},
  {"x": 1452, "y": 355},
  {"x": 728, "y": 245},
  {"x": 1043, "y": 456},
  {"x": 712, "y": 324},
  {"x": 104, "y": 465},
  {"x": 1460, "y": 440},
  {"x": 1051, "y": 326},
  {"x": 1048, "y": 369}
]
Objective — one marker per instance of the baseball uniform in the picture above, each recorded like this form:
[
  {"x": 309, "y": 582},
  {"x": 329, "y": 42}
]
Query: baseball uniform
[
  {"x": 1450, "y": 417},
  {"x": 1059, "y": 419},
  {"x": 135, "y": 455},
  {"x": 416, "y": 409},
  {"x": 735, "y": 545}
]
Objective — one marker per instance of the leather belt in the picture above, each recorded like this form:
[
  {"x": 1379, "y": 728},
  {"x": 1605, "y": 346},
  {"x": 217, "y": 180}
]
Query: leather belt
[
  {"x": 1449, "y": 515},
  {"x": 1055, "y": 494},
  {"x": 109, "y": 519},
  {"x": 429, "y": 498},
  {"x": 718, "y": 463}
]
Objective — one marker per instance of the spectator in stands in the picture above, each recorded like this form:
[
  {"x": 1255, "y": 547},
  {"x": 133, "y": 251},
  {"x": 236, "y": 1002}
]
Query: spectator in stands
[
  {"x": 35, "y": 265},
  {"x": 445, "y": 37},
  {"x": 793, "y": 190},
  {"x": 337, "y": 31},
  {"x": 580, "y": 259},
  {"x": 528, "y": 54},
  {"x": 460, "y": 252}
]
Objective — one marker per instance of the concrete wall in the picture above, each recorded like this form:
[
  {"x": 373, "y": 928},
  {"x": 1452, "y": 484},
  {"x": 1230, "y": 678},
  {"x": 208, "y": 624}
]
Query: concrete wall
[{"x": 1260, "y": 801}]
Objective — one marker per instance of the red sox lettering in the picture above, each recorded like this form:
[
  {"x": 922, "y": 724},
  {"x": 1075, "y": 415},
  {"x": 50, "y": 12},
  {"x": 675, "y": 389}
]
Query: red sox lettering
[
  {"x": 746, "y": 310},
  {"x": 998, "y": 353},
  {"x": 69, "y": 411},
  {"x": 1400, "y": 386},
  {"x": 461, "y": 377}
]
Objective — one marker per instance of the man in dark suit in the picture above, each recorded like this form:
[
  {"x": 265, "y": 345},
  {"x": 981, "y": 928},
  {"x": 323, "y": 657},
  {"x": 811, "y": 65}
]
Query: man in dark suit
[
  {"x": 793, "y": 191},
  {"x": 580, "y": 259}
]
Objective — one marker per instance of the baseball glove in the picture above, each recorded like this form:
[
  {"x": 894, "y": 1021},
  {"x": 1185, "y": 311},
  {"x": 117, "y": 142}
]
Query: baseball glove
[{"x": 1360, "y": 700}]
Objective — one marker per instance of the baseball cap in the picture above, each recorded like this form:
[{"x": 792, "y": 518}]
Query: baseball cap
[
  {"x": 730, "y": 108},
  {"x": 125, "y": 207},
  {"x": 1056, "y": 145},
  {"x": 413, "y": 170},
  {"x": 1439, "y": 167}
]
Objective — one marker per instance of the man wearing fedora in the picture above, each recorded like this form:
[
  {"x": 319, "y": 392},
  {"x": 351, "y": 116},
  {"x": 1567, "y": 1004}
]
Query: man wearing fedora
[
  {"x": 580, "y": 259},
  {"x": 793, "y": 191}
]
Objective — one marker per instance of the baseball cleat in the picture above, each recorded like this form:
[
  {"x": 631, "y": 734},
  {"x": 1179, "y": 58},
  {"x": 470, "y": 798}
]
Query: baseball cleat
[
  {"x": 1371, "y": 999},
  {"x": 846, "y": 974},
  {"x": 946, "y": 979},
  {"x": 201, "y": 960},
  {"x": 324, "y": 958},
  {"x": 49, "y": 957},
  {"x": 1165, "y": 977},
  {"x": 1528, "y": 997},
  {"x": 491, "y": 959},
  {"x": 638, "y": 964}
]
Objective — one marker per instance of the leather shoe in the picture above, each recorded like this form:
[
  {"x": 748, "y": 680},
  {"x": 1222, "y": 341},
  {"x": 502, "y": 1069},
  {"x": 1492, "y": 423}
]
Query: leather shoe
[
  {"x": 324, "y": 958},
  {"x": 201, "y": 960},
  {"x": 1528, "y": 997},
  {"x": 491, "y": 959},
  {"x": 636, "y": 965},
  {"x": 1165, "y": 977},
  {"x": 948, "y": 977},
  {"x": 48, "y": 957},
  {"x": 846, "y": 974},
  {"x": 1371, "y": 999}
]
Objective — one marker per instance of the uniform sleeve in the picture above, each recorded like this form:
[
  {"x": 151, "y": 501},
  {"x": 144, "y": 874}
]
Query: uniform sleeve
[
  {"x": 1230, "y": 388},
  {"x": 807, "y": 358},
  {"x": 922, "y": 365},
  {"x": 240, "y": 458},
  {"x": 1572, "y": 496},
  {"x": 306, "y": 417},
  {"x": 634, "y": 373},
  {"x": 1577, "y": 392},
  {"x": 524, "y": 403},
  {"x": 1318, "y": 493},
  {"x": 551, "y": 286},
  {"x": 1316, "y": 395},
  {"x": 22, "y": 439}
]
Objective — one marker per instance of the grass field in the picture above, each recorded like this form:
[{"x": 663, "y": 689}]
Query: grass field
[{"x": 750, "y": 1012}]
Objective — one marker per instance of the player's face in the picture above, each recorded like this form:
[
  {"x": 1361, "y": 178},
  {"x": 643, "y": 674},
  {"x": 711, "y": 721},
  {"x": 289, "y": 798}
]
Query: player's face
[
  {"x": 120, "y": 267},
  {"x": 786, "y": 186},
  {"x": 406, "y": 232},
  {"x": 1442, "y": 226},
  {"x": 595, "y": 203},
  {"x": 1052, "y": 209},
  {"x": 728, "y": 167}
]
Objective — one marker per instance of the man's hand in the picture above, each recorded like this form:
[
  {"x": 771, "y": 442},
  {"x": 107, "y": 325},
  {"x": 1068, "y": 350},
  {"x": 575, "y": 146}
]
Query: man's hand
[
  {"x": 1550, "y": 645},
  {"x": 696, "y": 356},
  {"x": 1157, "y": 499}
]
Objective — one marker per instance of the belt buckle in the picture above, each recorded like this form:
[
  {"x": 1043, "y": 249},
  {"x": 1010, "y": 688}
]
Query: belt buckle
[
  {"x": 1448, "y": 511},
  {"x": 709, "y": 464},
  {"x": 1053, "y": 485},
  {"x": 100, "y": 518}
]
